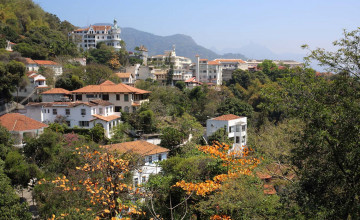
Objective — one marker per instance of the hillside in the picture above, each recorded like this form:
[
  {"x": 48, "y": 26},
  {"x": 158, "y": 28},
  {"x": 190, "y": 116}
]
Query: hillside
[{"x": 185, "y": 45}]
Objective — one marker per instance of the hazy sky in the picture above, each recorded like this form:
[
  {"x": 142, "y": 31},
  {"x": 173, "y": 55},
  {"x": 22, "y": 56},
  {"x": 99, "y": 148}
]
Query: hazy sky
[{"x": 280, "y": 25}]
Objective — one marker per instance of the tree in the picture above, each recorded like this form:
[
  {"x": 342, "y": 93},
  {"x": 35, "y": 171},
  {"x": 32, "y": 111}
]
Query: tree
[
  {"x": 96, "y": 73},
  {"x": 171, "y": 137},
  {"x": 235, "y": 106},
  {"x": 10, "y": 76},
  {"x": 10, "y": 206},
  {"x": 170, "y": 75},
  {"x": 102, "y": 180},
  {"x": 220, "y": 136},
  {"x": 180, "y": 85},
  {"x": 6, "y": 142}
]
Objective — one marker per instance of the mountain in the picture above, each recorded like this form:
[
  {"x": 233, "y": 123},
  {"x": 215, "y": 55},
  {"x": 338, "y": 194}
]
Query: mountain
[
  {"x": 185, "y": 45},
  {"x": 256, "y": 51}
]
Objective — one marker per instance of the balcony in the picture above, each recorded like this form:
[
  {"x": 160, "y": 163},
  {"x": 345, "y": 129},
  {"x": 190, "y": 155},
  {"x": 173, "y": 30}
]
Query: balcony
[{"x": 139, "y": 102}]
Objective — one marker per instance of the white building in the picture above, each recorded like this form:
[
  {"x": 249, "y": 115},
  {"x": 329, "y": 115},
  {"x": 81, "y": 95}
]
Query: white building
[
  {"x": 20, "y": 125},
  {"x": 181, "y": 65},
  {"x": 124, "y": 97},
  {"x": 9, "y": 46},
  {"x": 209, "y": 72},
  {"x": 151, "y": 153},
  {"x": 34, "y": 65},
  {"x": 76, "y": 114},
  {"x": 236, "y": 127},
  {"x": 87, "y": 38}
]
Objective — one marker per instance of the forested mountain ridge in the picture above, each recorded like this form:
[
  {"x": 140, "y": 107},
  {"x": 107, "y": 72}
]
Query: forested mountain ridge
[
  {"x": 185, "y": 45},
  {"x": 38, "y": 34}
]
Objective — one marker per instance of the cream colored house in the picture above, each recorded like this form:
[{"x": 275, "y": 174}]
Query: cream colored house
[{"x": 124, "y": 97}]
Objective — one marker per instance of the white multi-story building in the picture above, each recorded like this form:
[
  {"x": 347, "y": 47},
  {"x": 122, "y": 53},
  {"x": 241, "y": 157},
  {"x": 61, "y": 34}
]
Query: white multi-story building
[
  {"x": 209, "y": 72},
  {"x": 76, "y": 114},
  {"x": 181, "y": 65},
  {"x": 124, "y": 97},
  {"x": 151, "y": 153},
  {"x": 235, "y": 126},
  {"x": 87, "y": 38}
]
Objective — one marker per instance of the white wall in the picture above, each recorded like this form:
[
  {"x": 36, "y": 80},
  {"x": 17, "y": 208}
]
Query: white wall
[{"x": 149, "y": 168}]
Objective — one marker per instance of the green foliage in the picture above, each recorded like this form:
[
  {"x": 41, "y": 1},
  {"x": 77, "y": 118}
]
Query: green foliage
[
  {"x": 10, "y": 206},
  {"x": 171, "y": 137},
  {"x": 69, "y": 82},
  {"x": 241, "y": 198},
  {"x": 96, "y": 74},
  {"x": 120, "y": 133},
  {"x": 97, "y": 134},
  {"x": 10, "y": 76},
  {"x": 220, "y": 136},
  {"x": 6, "y": 142},
  {"x": 18, "y": 170},
  {"x": 180, "y": 85},
  {"x": 237, "y": 107}
]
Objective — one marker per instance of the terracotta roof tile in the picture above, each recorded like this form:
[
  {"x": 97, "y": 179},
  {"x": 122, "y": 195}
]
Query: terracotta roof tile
[
  {"x": 116, "y": 88},
  {"x": 106, "y": 118},
  {"x": 226, "y": 117},
  {"x": 19, "y": 122},
  {"x": 107, "y": 82},
  {"x": 46, "y": 62},
  {"x": 60, "y": 104},
  {"x": 123, "y": 75},
  {"x": 213, "y": 62},
  {"x": 139, "y": 147},
  {"x": 269, "y": 189},
  {"x": 29, "y": 61},
  {"x": 57, "y": 91}
]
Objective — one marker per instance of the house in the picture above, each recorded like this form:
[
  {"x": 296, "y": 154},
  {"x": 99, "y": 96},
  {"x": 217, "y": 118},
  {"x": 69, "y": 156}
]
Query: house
[
  {"x": 37, "y": 80},
  {"x": 191, "y": 83},
  {"x": 32, "y": 88},
  {"x": 124, "y": 97},
  {"x": 236, "y": 127},
  {"x": 126, "y": 78},
  {"x": 76, "y": 114},
  {"x": 151, "y": 153},
  {"x": 87, "y": 38},
  {"x": 20, "y": 126},
  {"x": 209, "y": 71},
  {"x": 56, "y": 95},
  {"x": 34, "y": 65}
]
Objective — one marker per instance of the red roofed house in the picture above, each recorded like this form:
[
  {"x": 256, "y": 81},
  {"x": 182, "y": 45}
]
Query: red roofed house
[
  {"x": 56, "y": 95},
  {"x": 89, "y": 37},
  {"x": 235, "y": 126},
  {"x": 152, "y": 155},
  {"x": 34, "y": 65},
  {"x": 124, "y": 97},
  {"x": 76, "y": 114},
  {"x": 126, "y": 78},
  {"x": 20, "y": 125}
]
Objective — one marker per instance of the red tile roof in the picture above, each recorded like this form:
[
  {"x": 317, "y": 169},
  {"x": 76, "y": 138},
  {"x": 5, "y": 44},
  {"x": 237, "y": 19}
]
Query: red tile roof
[
  {"x": 123, "y": 75},
  {"x": 29, "y": 61},
  {"x": 269, "y": 189},
  {"x": 46, "y": 62},
  {"x": 226, "y": 117},
  {"x": 106, "y": 118},
  {"x": 213, "y": 62},
  {"x": 107, "y": 82},
  {"x": 139, "y": 147},
  {"x": 116, "y": 88},
  {"x": 203, "y": 59},
  {"x": 19, "y": 122},
  {"x": 57, "y": 91}
]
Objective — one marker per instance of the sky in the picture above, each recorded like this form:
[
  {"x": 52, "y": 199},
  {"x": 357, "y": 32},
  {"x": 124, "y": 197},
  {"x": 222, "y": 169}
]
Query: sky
[{"x": 280, "y": 25}]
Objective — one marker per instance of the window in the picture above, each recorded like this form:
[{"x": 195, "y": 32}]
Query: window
[
  {"x": 143, "y": 180},
  {"x": 117, "y": 108},
  {"x": 237, "y": 128},
  {"x": 106, "y": 110},
  {"x": 105, "y": 97},
  {"x": 68, "y": 123},
  {"x": 89, "y": 96},
  {"x": 54, "y": 111},
  {"x": 48, "y": 110},
  {"x": 83, "y": 123},
  {"x": 237, "y": 139},
  {"x": 117, "y": 97},
  {"x": 159, "y": 157},
  {"x": 150, "y": 159},
  {"x": 78, "y": 97},
  {"x": 243, "y": 128},
  {"x": 243, "y": 139},
  {"x": 83, "y": 111},
  {"x": 231, "y": 129},
  {"x": 126, "y": 97},
  {"x": 100, "y": 111},
  {"x": 67, "y": 111}
]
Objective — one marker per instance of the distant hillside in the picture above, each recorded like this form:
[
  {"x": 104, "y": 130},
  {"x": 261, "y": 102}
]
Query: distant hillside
[{"x": 185, "y": 45}]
